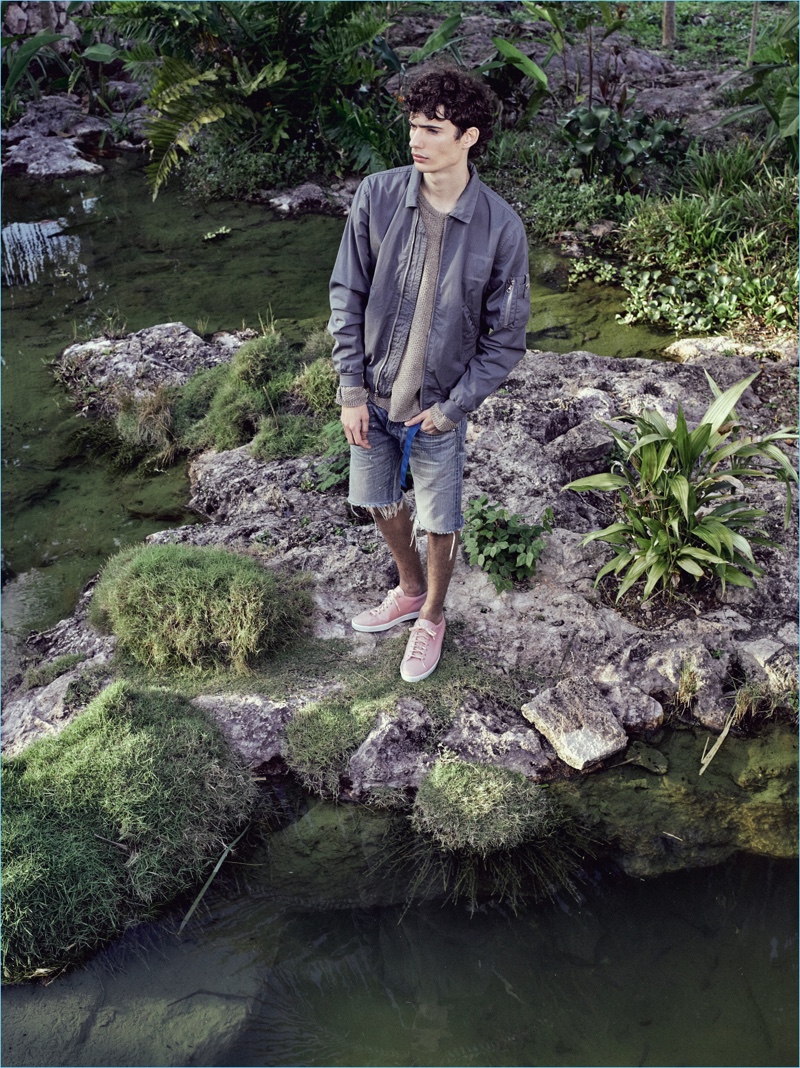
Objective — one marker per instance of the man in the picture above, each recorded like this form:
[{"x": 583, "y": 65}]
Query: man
[{"x": 429, "y": 304}]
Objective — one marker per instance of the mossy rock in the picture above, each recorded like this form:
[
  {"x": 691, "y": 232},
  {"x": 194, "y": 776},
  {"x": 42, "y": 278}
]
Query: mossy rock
[{"x": 110, "y": 820}]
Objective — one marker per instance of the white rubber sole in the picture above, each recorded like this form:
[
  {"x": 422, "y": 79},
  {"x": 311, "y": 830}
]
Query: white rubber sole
[
  {"x": 363, "y": 628},
  {"x": 419, "y": 678}
]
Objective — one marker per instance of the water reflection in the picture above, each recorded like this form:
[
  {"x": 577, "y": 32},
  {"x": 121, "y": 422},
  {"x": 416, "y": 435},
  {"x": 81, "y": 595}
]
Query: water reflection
[{"x": 698, "y": 968}]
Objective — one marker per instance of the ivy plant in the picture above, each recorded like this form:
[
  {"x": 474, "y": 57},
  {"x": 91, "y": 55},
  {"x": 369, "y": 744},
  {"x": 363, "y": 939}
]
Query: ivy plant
[
  {"x": 680, "y": 497},
  {"x": 505, "y": 546}
]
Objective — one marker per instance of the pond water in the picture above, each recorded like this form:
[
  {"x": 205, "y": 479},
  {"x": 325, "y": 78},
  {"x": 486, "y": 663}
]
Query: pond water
[
  {"x": 694, "y": 969},
  {"x": 89, "y": 253},
  {"x": 697, "y": 968}
]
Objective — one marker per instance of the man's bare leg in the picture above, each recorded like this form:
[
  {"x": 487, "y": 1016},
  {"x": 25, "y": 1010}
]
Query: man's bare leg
[
  {"x": 441, "y": 561},
  {"x": 399, "y": 534}
]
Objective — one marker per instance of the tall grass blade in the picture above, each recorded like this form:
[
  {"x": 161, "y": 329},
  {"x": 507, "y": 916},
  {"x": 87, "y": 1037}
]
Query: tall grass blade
[{"x": 211, "y": 878}]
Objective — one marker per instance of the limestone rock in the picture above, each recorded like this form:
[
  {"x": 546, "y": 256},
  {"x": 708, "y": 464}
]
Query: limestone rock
[
  {"x": 254, "y": 725},
  {"x": 97, "y": 372},
  {"x": 391, "y": 756},
  {"x": 485, "y": 734},
  {"x": 46, "y": 710},
  {"x": 574, "y": 718},
  {"x": 633, "y": 709}
]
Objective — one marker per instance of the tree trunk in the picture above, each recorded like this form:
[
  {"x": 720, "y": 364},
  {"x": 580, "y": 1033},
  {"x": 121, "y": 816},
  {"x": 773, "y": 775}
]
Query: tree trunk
[{"x": 668, "y": 25}]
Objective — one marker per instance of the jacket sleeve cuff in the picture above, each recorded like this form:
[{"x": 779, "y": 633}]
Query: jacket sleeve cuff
[
  {"x": 355, "y": 379},
  {"x": 450, "y": 411}
]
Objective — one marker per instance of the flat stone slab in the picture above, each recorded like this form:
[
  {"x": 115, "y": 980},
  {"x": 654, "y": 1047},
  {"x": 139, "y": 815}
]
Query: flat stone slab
[{"x": 575, "y": 718}]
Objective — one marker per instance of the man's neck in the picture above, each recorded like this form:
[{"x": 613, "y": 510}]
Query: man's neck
[{"x": 442, "y": 191}]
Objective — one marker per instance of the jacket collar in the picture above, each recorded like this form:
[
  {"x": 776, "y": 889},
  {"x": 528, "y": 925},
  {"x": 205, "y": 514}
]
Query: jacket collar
[{"x": 466, "y": 202}]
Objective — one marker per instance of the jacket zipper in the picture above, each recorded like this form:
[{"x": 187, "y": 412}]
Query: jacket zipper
[
  {"x": 509, "y": 295},
  {"x": 380, "y": 369}
]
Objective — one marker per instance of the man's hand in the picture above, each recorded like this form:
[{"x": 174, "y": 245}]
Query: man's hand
[
  {"x": 428, "y": 425},
  {"x": 356, "y": 424}
]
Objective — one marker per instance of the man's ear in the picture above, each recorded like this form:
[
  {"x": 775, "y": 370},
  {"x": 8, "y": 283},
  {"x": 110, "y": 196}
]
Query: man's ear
[{"x": 470, "y": 136}]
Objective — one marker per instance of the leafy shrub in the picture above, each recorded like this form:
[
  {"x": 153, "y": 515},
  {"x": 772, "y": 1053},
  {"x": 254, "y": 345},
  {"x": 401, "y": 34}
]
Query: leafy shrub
[
  {"x": 606, "y": 142},
  {"x": 480, "y": 808},
  {"x": 334, "y": 467},
  {"x": 177, "y": 606},
  {"x": 680, "y": 505},
  {"x": 505, "y": 546},
  {"x": 110, "y": 820}
]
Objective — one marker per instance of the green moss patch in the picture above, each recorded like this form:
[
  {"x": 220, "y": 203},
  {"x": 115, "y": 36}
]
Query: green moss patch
[
  {"x": 108, "y": 821},
  {"x": 480, "y": 808},
  {"x": 177, "y": 605}
]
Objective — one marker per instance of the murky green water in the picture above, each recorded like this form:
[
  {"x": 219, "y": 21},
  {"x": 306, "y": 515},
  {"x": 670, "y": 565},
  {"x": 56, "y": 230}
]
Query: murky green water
[
  {"x": 80, "y": 254},
  {"x": 698, "y": 968}
]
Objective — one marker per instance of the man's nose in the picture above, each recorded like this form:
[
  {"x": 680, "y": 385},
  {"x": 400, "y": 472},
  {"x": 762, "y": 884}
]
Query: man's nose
[{"x": 414, "y": 140}]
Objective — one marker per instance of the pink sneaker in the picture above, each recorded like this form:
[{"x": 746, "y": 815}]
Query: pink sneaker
[
  {"x": 395, "y": 608},
  {"x": 423, "y": 651}
]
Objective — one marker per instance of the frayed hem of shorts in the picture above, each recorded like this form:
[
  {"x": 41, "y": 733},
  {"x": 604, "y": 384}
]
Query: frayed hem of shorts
[
  {"x": 418, "y": 532},
  {"x": 388, "y": 511}
]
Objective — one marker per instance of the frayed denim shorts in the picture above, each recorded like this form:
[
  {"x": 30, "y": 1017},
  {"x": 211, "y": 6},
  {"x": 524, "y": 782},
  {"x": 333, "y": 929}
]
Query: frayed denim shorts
[{"x": 436, "y": 462}]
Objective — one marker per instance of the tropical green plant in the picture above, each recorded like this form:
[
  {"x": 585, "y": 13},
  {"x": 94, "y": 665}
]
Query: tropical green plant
[
  {"x": 772, "y": 79},
  {"x": 108, "y": 821},
  {"x": 21, "y": 56},
  {"x": 184, "y": 606},
  {"x": 505, "y": 546},
  {"x": 680, "y": 497},
  {"x": 605, "y": 141}
]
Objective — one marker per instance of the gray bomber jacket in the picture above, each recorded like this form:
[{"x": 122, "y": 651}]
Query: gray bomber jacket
[{"x": 482, "y": 304}]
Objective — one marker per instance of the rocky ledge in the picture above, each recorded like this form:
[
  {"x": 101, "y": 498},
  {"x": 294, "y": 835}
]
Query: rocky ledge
[{"x": 600, "y": 677}]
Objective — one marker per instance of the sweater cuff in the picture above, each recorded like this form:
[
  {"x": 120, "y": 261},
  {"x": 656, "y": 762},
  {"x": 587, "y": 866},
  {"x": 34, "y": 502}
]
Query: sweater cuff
[
  {"x": 440, "y": 420},
  {"x": 351, "y": 396}
]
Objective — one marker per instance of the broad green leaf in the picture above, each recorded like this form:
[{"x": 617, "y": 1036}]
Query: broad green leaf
[
  {"x": 664, "y": 454},
  {"x": 679, "y": 488},
  {"x": 743, "y": 545},
  {"x": 657, "y": 571},
  {"x": 708, "y": 536},
  {"x": 698, "y": 442},
  {"x": 615, "y": 528},
  {"x": 615, "y": 565},
  {"x": 635, "y": 572},
  {"x": 737, "y": 577},
  {"x": 680, "y": 440},
  {"x": 520, "y": 60},
  {"x": 689, "y": 565},
  {"x": 780, "y": 457},
  {"x": 701, "y": 554},
  {"x": 602, "y": 482},
  {"x": 722, "y": 408}
]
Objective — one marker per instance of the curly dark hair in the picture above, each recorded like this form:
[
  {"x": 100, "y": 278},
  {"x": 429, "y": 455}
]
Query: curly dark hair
[{"x": 450, "y": 93}]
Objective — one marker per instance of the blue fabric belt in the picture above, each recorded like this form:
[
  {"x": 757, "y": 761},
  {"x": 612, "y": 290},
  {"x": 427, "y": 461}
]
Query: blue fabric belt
[{"x": 411, "y": 433}]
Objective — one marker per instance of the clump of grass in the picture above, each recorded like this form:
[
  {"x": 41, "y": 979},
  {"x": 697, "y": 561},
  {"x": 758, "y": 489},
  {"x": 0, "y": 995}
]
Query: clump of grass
[
  {"x": 480, "y": 831},
  {"x": 480, "y": 808},
  {"x": 177, "y": 605},
  {"x": 321, "y": 738},
  {"x": 285, "y": 435},
  {"x": 145, "y": 423},
  {"x": 316, "y": 386},
  {"x": 108, "y": 821},
  {"x": 44, "y": 674},
  {"x": 258, "y": 362}
]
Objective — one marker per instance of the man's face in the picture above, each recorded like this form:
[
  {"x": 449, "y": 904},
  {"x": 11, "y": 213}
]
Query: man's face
[{"x": 436, "y": 146}]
